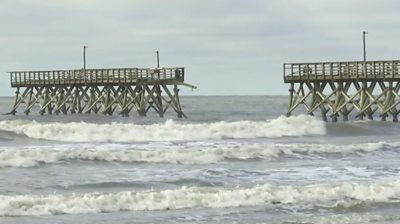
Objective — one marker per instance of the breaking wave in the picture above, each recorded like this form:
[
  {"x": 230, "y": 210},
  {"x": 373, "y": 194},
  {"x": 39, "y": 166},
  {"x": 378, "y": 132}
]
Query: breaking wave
[
  {"x": 169, "y": 131},
  {"x": 187, "y": 153},
  {"x": 330, "y": 195}
]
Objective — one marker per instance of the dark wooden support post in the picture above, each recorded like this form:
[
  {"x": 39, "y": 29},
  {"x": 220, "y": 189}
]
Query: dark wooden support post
[
  {"x": 16, "y": 102},
  {"x": 142, "y": 102},
  {"x": 178, "y": 103},
  {"x": 291, "y": 91},
  {"x": 29, "y": 104},
  {"x": 159, "y": 103}
]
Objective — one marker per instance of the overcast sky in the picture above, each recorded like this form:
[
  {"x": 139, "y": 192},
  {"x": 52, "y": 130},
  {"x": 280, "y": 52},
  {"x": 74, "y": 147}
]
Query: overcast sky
[{"x": 228, "y": 47}]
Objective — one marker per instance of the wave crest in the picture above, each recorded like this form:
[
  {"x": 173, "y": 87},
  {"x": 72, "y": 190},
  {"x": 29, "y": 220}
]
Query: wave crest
[
  {"x": 188, "y": 153},
  {"x": 346, "y": 194},
  {"x": 169, "y": 131}
]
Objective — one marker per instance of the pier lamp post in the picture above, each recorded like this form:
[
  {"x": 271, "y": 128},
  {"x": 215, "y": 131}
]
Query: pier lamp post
[
  {"x": 365, "y": 54},
  {"x": 365, "y": 51},
  {"x": 158, "y": 58},
  {"x": 84, "y": 57}
]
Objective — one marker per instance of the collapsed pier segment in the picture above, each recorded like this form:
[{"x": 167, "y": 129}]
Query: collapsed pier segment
[
  {"x": 362, "y": 88},
  {"x": 99, "y": 90}
]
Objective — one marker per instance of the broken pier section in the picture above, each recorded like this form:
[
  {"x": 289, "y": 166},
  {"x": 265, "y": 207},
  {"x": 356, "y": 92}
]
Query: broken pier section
[
  {"x": 364, "y": 88},
  {"x": 99, "y": 90}
]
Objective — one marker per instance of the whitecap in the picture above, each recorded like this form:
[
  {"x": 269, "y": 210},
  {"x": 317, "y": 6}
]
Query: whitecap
[
  {"x": 328, "y": 195},
  {"x": 301, "y": 125}
]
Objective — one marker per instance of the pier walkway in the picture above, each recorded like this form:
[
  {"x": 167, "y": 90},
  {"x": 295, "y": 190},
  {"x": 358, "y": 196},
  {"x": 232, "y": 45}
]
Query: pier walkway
[
  {"x": 99, "y": 90},
  {"x": 338, "y": 88}
]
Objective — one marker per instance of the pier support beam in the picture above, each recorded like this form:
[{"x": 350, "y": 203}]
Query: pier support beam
[
  {"x": 105, "y": 100},
  {"x": 339, "y": 101}
]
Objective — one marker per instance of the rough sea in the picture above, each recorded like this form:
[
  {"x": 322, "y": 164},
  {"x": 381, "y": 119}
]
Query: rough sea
[{"x": 235, "y": 159}]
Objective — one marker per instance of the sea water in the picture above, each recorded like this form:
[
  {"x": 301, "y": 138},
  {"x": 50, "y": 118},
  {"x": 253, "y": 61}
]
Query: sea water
[{"x": 236, "y": 159}]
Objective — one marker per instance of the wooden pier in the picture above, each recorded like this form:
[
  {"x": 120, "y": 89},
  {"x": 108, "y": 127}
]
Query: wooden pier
[
  {"x": 99, "y": 90},
  {"x": 366, "y": 89}
]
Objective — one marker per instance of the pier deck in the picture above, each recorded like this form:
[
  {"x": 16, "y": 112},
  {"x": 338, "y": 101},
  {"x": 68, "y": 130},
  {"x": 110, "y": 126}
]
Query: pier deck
[
  {"x": 338, "y": 88},
  {"x": 99, "y": 90}
]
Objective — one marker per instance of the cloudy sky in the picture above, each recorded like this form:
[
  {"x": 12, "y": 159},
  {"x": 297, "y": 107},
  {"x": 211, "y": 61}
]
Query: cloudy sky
[{"x": 228, "y": 47}]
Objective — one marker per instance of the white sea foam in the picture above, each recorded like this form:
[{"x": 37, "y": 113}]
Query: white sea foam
[
  {"x": 168, "y": 131},
  {"x": 185, "y": 153},
  {"x": 332, "y": 195}
]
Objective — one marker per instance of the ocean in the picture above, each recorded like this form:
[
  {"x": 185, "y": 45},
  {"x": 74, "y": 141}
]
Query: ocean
[{"x": 236, "y": 159}]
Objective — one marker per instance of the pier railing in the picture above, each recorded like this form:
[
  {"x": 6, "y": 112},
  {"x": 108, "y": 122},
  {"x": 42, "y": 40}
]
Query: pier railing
[
  {"x": 95, "y": 76},
  {"x": 350, "y": 70}
]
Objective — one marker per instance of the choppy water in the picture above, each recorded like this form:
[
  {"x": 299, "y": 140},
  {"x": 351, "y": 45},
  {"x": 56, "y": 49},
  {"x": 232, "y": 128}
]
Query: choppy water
[{"x": 235, "y": 160}]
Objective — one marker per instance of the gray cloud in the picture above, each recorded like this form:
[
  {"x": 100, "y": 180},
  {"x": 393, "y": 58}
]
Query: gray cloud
[{"x": 239, "y": 45}]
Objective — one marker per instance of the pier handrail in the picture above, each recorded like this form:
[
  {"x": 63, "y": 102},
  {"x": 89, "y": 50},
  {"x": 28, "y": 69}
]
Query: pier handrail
[
  {"x": 96, "y": 76},
  {"x": 350, "y": 70}
]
